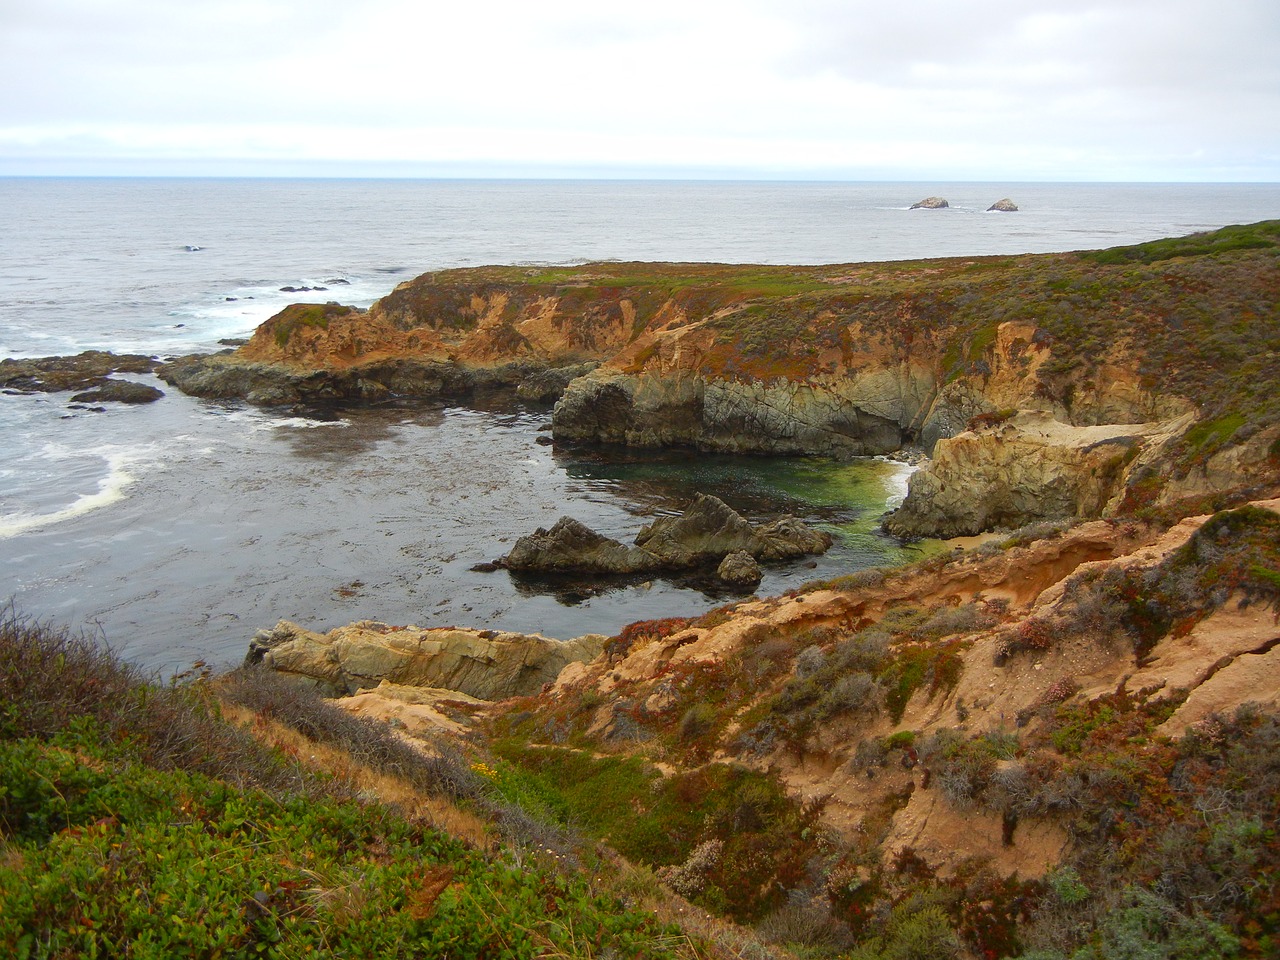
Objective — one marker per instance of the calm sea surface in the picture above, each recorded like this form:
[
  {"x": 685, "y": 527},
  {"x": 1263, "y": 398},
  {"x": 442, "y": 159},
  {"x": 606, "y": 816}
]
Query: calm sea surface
[{"x": 178, "y": 529}]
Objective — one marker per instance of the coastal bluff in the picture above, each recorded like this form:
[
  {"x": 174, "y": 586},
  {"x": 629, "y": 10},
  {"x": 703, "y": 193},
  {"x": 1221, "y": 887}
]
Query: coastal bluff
[{"x": 1159, "y": 346}]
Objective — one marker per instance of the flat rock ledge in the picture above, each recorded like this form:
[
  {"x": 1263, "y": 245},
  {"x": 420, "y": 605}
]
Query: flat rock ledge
[
  {"x": 705, "y": 534},
  {"x": 90, "y": 372},
  {"x": 224, "y": 376},
  {"x": 484, "y": 664}
]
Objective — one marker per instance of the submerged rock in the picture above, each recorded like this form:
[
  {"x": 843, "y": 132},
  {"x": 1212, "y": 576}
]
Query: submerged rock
[{"x": 119, "y": 391}]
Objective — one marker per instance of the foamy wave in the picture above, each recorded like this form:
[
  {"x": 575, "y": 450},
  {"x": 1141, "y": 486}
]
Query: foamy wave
[
  {"x": 258, "y": 421},
  {"x": 111, "y": 489},
  {"x": 896, "y": 482}
]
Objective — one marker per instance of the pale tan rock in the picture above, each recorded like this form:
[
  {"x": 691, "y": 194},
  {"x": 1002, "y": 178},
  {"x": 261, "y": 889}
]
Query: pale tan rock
[
  {"x": 481, "y": 663},
  {"x": 1027, "y": 468}
]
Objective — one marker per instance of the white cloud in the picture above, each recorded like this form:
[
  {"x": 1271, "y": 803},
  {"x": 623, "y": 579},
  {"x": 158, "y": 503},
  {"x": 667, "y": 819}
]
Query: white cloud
[{"x": 1132, "y": 88}]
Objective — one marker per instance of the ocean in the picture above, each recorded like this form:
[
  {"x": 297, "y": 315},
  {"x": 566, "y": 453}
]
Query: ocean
[{"x": 174, "y": 531}]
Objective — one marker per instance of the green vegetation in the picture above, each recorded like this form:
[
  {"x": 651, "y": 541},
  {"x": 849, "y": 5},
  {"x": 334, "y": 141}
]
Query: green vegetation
[
  {"x": 134, "y": 821},
  {"x": 1255, "y": 236},
  {"x": 761, "y": 838},
  {"x": 301, "y": 315}
]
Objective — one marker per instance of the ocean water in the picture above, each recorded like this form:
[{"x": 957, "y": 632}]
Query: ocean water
[{"x": 176, "y": 530}]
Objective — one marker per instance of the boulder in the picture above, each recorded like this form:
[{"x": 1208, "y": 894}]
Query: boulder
[
  {"x": 739, "y": 569},
  {"x": 930, "y": 203},
  {"x": 1003, "y": 206},
  {"x": 570, "y": 546},
  {"x": 480, "y": 663}
]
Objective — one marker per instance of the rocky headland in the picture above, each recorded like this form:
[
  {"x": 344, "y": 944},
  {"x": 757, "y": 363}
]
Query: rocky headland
[{"x": 1046, "y": 386}]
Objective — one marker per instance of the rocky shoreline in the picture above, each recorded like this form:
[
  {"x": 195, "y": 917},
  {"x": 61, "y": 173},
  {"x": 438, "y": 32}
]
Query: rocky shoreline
[{"x": 1023, "y": 412}]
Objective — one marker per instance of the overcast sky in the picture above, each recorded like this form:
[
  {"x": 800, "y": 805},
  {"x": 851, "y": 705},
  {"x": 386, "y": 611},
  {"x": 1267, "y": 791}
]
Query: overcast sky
[{"x": 916, "y": 89}]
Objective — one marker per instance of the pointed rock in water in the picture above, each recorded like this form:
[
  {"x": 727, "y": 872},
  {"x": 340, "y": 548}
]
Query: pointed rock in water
[
  {"x": 1003, "y": 206},
  {"x": 930, "y": 203},
  {"x": 710, "y": 530},
  {"x": 570, "y": 546},
  {"x": 705, "y": 533}
]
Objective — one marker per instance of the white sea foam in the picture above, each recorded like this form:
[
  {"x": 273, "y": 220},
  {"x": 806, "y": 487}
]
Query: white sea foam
[
  {"x": 111, "y": 489},
  {"x": 896, "y": 482},
  {"x": 257, "y": 421}
]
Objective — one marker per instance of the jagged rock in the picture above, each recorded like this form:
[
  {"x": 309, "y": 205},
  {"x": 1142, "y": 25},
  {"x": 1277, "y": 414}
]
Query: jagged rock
[
  {"x": 480, "y": 663},
  {"x": 710, "y": 530},
  {"x": 930, "y": 203},
  {"x": 119, "y": 391},
  {"x": 570, "y": 546},
  {"x": 739, "y": 569},
  {"x": 706, "y": 532},
  {"x": 1004, "y": 206}
]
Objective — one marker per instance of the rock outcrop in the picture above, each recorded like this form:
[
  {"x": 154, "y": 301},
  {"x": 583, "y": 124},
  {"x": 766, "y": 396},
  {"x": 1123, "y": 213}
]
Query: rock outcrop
[
  {"x": 709, "y": 530},
  {"x": 89, "y": 370},
  {"x": 570, "y": 546},
  {"x": 1026, "y": 468},
  {"x": 862, "y": 414},
  {"x": 930, "y": 203},
  {"x": 480, "y": 663},
  {"x": 1003, "y": 206},
  {"x": 706, "y": 533}
]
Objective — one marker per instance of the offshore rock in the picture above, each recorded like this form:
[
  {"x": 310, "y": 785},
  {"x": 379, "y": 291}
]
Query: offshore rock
[
  {"x": 80, "y": 372},
  {"x": 709, "y": 530},
  {"x": 119, "y": 391},
  {"x": 705, "y": 533},
  {"x": 480, "y": 663},
  {"x": 570, "y": 546},
  {"x": 739, "y": 569},
  {"x": 1003, "y": 206},
  {"x": 930, "y": 203}
]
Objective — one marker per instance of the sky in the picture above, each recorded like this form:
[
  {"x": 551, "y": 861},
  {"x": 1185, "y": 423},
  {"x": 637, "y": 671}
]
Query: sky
[{"x": 1074, "y": 90}]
